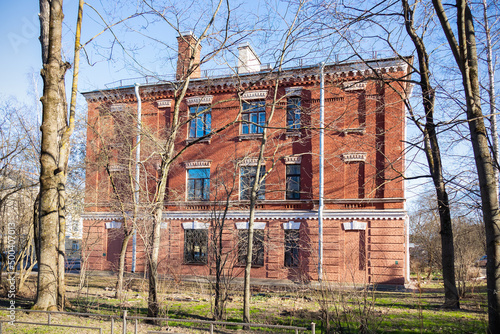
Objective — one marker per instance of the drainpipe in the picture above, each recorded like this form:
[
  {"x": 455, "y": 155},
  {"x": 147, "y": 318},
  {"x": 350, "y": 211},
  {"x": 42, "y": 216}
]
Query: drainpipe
[
  {"x": 321, "y": 169},
  {"x": 137, "y": 173}
]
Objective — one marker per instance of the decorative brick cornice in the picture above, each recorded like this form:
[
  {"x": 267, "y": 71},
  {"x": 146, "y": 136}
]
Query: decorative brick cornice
[{"x": 353, "y": 71}]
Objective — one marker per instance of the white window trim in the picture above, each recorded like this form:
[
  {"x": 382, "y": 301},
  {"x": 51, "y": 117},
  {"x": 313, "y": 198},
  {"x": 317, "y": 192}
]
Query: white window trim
[
  {"x": 198, "y": 164},
  {"x": 354, "y": 157},
  {"x": 254, "y": 95},
  {"x": 354, "y": 226},
  {"x": 164, "y": 103},
  {"x": 293, "y": 160},
  {"x": 113, "y": 225},
  {"x": 116, "y": 107},
  {"x": 293, "y": 91},
  {"x": 354, "y": 85},
  {"x": 245, "y": 225},
  {"x": 291, "y": 225},
  {"x": 249, "y": 162},
  {"x": 195, "y": 225},
  {"x": 198, "y": 100}
]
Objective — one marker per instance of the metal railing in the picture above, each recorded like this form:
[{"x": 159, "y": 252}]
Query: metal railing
[{"x": 136, "y": 319}]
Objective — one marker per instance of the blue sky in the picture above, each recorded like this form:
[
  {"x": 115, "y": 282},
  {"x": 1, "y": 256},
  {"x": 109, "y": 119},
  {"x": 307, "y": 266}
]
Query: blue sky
[{"x": 20, "y": 56}]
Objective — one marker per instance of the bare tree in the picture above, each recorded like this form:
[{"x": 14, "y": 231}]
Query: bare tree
[
  {"x": 57, "y": 127},
  {"x": 221, "y": 259},
  {"x": 465, "y": 54},
  {"x": 434, "y": 161}
]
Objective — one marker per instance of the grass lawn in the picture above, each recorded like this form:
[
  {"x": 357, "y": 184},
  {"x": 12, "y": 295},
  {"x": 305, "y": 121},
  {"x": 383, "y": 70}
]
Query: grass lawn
[{"x": 348, "y": 310}]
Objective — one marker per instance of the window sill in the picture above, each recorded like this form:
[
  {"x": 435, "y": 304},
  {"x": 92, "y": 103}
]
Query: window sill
[
  {"x": 253, "y": 265},
  {"x": 198, "y": 140},
  {"x": 194, "y": 263},
  {"x": 250, "y": 136},
  {"x": 359, "y": 131}
]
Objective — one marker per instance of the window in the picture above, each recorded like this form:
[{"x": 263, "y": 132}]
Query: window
[
  {"x": 75, "y": 245},
  {"x": 291, "y": 248},
  {"x": 292, "y": 181},
  {"x": 257, "y": 250},
  {"x": 195, "y": 246},
  {"x": 198, "y": 184},
  {"x": 293, "y": 113},
  {"x": 201, "y": 121},
  {"x": 253, "y": 117},
  {"x": 247, "y": 177}
]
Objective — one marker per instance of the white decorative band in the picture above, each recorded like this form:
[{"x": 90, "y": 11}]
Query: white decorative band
[
  {"x": 354, "y": 226},
  {"x": 113, "y": 225},
  {"x": 293, "y": 91},
  {"x": 256, "y": 226},
  {"x": 197, "y": 164},
  {"x": 354, "y": 157},
  {"x": 195, "y": 225},
  {"x": 207, "y": 99},
  {"x": 291, "y": 225},
  {"x": 164, "y": 103},
  {"x": 285, "y": 215},
  {"x": 354, "y": 85},
  {"x": 254, "y": 95},
  {"x": 293, "y": 160}
]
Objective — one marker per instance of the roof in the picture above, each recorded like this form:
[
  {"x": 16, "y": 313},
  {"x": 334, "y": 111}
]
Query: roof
[{"x": 297, "y": 74}]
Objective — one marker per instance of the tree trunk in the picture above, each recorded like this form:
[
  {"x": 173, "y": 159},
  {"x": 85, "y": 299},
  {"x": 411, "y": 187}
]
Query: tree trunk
[
  {"x": 121, "y": 266},
  {"x": 55, "y": 149},
  {"x": 491, "y": 91},
  {"x": 61, "y": 248},
  {"x": 153, "y": 306},
  {"x": 52, "y": 73},
  {"x": 433, "y": 155},
  {"x": 466, "y": 58}
]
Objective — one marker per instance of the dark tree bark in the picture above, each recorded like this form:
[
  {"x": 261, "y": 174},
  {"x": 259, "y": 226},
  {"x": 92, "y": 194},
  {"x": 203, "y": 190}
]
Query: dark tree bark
[{"x": 433, "y": 155}]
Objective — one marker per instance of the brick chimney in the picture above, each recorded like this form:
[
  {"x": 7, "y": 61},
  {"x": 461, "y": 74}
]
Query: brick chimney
[{"x": 186, "y": 44}]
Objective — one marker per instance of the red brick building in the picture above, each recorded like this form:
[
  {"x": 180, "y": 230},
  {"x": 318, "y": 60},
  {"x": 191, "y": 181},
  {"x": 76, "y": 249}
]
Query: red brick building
[{"x": 365, "y": 222}]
